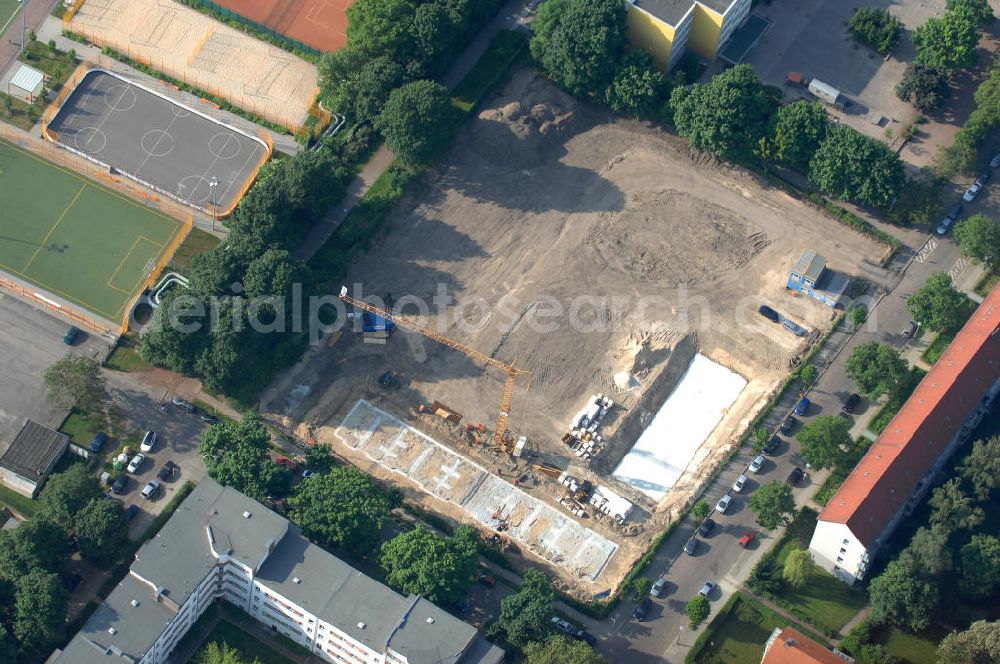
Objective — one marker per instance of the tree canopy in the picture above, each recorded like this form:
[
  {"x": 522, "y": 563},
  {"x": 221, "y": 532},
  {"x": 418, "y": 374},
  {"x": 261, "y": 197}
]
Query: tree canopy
[
  {"x": 772, "y": 504},
  {"x": 638, "y": 89},
  {"x": 851, "y": 166},
  {"x": 727, "y": 116},
  {"x": 877, "y": 368},
  {"x": 101, "y": 530},
  {"x": 798, "y": 568},
  {"x": 525, "y": 615},
  {"x": 979, "y": 238},
  {"x": 979, "y": 565},
  {"x": 579, "y": 42},
  {"x": 825, "y": 440},
  {"x": 981, "y": 467},
  {"x": 897, "y": 597},
  {"x": 38, "y": 543},
  {"x": 66, "y": 493},
  {"x": 980, "y": 644},
  {"x": 40, "y": 604},
  {"x": 697, "y": 609},
  {"x": 437, "y": 568},
  {"x": 924, "y": 86},
  {"x": 236, "y": 454},
  {"x": 980, "y": 9},
  {"x": 948, "y": 43},
  {"x": 799, "y": 129},
  {"x": 343, "y": 507},
  {"x": 560, "y": 649},
  {"x": 876, "y": 27},
  {"x": 938, "y": 306},
  {"x": 952, "y": 508},
  {"x": 417, "y": 120},
  {"x": 75, "y": 381}
]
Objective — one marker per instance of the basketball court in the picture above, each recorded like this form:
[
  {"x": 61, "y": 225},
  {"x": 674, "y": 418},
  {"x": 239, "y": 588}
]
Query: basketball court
[
  {"x": 321, "y": 24},
  {"x": 169, "y": 147}
]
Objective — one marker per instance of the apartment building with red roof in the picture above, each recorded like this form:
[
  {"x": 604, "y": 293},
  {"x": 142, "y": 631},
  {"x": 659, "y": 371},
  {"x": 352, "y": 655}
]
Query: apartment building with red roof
[
  {"x": 790, "y": 646},
  {"x": 901, "y": 464}
]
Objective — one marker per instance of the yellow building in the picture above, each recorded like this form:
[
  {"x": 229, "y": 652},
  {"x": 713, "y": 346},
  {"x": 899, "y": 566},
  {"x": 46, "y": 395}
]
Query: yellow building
[{"x": 665, "y": 28}]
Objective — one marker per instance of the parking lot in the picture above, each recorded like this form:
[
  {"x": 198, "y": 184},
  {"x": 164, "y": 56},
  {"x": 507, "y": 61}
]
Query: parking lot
[
  {"x": 31, "y": 342},
  {"x": 178, "y": 435}
]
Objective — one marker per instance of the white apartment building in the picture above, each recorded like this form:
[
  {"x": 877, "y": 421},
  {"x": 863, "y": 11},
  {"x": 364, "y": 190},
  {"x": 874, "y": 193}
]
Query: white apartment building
[{"x": 220, "y": 544}]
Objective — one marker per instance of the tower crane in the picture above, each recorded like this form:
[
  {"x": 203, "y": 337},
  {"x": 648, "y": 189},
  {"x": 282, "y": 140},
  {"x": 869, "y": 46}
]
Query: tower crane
[{"x": 511, "y": 371}]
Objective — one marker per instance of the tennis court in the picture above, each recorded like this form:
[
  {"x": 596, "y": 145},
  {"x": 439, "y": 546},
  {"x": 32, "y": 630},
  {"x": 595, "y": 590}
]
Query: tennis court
[{"x": 77, "y": 240}]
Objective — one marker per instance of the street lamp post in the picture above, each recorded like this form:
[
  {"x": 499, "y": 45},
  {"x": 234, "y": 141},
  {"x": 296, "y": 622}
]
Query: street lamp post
[
  {"x": 213, "y": 184},
  {"x": 24, "y": 14}
]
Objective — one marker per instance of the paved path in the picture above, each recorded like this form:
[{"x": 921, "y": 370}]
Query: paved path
[
  {"x": 10, "y": 46},
  {"x": 509, "y": 17}
]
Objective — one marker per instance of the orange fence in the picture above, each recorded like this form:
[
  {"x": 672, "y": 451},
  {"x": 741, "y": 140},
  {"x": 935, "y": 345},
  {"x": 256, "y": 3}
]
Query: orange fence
[
  {"x": 167, "y": 256},
  {"x": 266, "y": 137},
  {"x": 30, "y": 295},
  {"x": 68, "y": 87},
  {"x": 71, "y": 12}
]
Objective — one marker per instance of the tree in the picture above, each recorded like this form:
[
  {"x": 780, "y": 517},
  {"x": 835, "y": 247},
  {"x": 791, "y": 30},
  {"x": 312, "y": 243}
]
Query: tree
[
  {"x": 981, "y": 468},
  {"x": 560, "y": 649},
  {"x": 772, "y": 504},
  {"x": 979, "y": 565},
  {"x": 525, "y": 615},
  {"x": 919, "y": 202},
  {"x": 727, "y": 116},
  {"x": 75, "y": 381},
  {"x": 799, "y": 129},
  {"x": 877, "y": 368},
  {"x": 434, "y": 35},
  {"x": 381, "y": 27},
  {"x": 701, "y": 509},
  {"x": 319, "y": 458},
  {"x": 760, "y": 437},
  {"x": 416, "y": 121},
  {"x": 928, "y": 556},
  {"x": 437, "y": 568},
  {"x": 641, "y": 586},
  {"x": 980, "y": 644},
  {"x": 876, "y": 653},
  {"x": 851, "y": 166},
  {"x": 66, "y": 493},
  {"x": 39, "y": 610},
  {"x": 578, "y": 43},
  {"x": 698, "y": 609},
  {"x": 825, "y": 440},
  {"x": 953, "y": 509},
  {"x": 222, "y": 653},
  {"x": 980, "y": 9},
  {"x": 857, "y": 315},
  {"x": 898, "y": 597},
  {"x": 924, "y": 86},
  {"x": 639, "y": 89},
  {"x": 939, "y": 307},
  {"x": 798, "y": 568},
  {"x": 877, "y": 28},
  {"x": 273, "y": 273},
  {"x": 236, "y": 455},
  {"x": 808, "y": 373},
  {"x": 101, "y": 530},
  {"x": 342, "y": 507},
  {"x": 979, "y": 238},
  {"x": 948, "y": 43},
  {"x": 8, "y": 647},
  {"x": 37, "y": 543}
]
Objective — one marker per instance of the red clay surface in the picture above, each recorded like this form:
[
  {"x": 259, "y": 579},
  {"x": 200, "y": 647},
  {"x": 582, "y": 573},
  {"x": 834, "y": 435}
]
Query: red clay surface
[{"x": 321, "y": 24}]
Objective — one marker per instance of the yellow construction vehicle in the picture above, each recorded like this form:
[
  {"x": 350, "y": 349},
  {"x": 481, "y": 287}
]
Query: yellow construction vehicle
[{"x": 511, "y": 371}]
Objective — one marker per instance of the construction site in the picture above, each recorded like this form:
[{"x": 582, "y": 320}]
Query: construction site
[{"x": 590, "y": 347}]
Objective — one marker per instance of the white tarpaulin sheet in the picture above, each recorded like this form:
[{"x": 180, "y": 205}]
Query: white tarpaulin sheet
[{"x": 695, "y": 407}]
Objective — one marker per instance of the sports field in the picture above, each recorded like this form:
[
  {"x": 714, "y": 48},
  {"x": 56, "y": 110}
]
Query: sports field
[
  {"x": 321, "y": 24},
  {"x": 8, "y": 11},
  {"x": 73, "y": 238}
]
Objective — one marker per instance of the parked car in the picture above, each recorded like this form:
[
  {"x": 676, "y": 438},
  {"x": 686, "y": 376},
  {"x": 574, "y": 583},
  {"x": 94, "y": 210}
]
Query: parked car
[
  {"x": 706, "y": 527},
  {"x": 208, "y": 419},
  {"x": 747, "y": 539},
  {"x": 756, "y": 464},
  {"x": 984, "y": 177},
  {"x": 691, "y": 546},
  {"x": 995, "y": 161},
  {"x": 306, "y": 474},
  {"x": 642, "y": 611},
  {"x": 772, "y": 445},
  {"x": 802, "y": 407},
  {"x": 586, "y": 637},
  {"x": 769, "y": 313},
  {"x": 183, "y": 404},
  {"x": 910, "y": 331},
  {"x": 740, "y": 482},
  {"x": 795, "y": 476},
  {"x": 119, "y": 484},
  {"x": 564, "y": 626},
  {"x": 787, "y": 424},
  {"x": 130, "y": 513},
  {"x": 168, "y": 470},
  {"x": 850, "y": 403},
  {"x": 287, "y": 463},
  {"x": 98, "y": 442},
  {"x": 658, "y": 587},
  {"x": 973, "y": 191},
  {"x": 707, "y": 589},
  {"x": 487, "y": 580},
  {"x": 148, "y": 491},
  {"x": 724, "y": 504},
  {"x": 148, "y": 441},
  {"x": 942, "y": 228},
  {"x": 70, "y": 335},
  {"x": 136, "y": 462}
]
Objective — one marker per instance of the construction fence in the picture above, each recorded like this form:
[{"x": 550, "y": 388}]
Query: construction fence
[{"x": 30, "y": 294}]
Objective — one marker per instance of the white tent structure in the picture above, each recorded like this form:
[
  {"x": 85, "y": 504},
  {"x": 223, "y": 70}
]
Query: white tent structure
[{"x": 26, "y": 83}]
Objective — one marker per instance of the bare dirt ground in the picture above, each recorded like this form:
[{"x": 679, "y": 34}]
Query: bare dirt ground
[{"x": 580, "y": 246}]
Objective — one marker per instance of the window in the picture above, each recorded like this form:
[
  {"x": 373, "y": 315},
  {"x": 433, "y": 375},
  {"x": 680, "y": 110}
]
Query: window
[
  {"x": 843, "y": 549},
  {"x": 840, "y": 559},
  {"x": 846, "y": 542}
]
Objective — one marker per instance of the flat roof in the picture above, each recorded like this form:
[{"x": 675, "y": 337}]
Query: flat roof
[
  {"x": 672, "y": 11},
  {"x": 27, "y": 78},
  {"x": 33, "y": 450},
  {"x": 887, "y": 475},
  {"x": 810, "y": 265}
]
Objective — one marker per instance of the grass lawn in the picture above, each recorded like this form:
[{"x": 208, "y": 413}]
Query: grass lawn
[
  {"x": 986, "y": 284},
  {"x": 937, "y": 348},
  {"x": 506, "y": 47},
  {"x": 81, "y": 427},
  {"x": 196, "y": 243},
  {"x": 912, "y": 648},
  {"x": 82, "y": 242},
  {"x": 57, "y": 65},
  {"x": 824, "y": 601},
  {"x": 125, "y": 356},
  {"x": 20, "y": 114},
  {"x": 24, "y": 506},
  {"x": 248, "y": 646},
  {"x": 896, "y": 401}
]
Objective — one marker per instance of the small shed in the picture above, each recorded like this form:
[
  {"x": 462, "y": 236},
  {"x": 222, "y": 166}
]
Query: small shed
[
  {"x": 26, "y": 83},
  {"x": 32, "y": 455},
  {"x": 810, "y": 276}
]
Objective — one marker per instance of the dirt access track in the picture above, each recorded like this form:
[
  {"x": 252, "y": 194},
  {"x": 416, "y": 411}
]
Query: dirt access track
[{"x": 579, "y": 245}]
